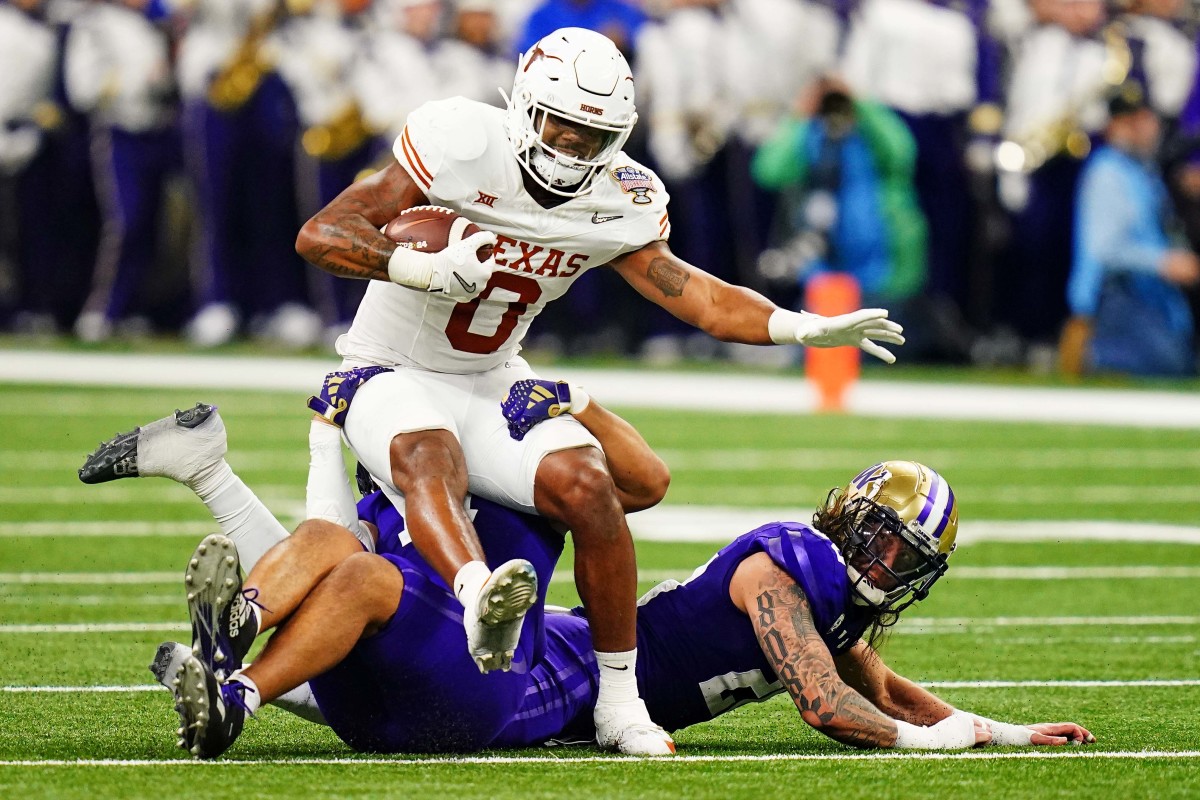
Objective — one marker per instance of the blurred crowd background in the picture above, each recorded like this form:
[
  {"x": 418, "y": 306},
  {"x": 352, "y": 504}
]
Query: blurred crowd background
[{"x": 1018, "y": 181}]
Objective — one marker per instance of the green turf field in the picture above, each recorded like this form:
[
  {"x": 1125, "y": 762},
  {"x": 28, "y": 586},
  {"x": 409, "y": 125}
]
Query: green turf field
[{"x": 1104, "y": 633}]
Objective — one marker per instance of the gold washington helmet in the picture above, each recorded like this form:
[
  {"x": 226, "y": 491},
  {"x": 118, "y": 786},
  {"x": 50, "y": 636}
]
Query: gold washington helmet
[{"x": 897, "y": 522}]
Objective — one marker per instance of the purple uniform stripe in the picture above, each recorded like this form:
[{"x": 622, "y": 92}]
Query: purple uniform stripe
[
  {"x": 863, "y": 477},
  {"x": 946, "y": 515},
  {"x": 930, "y": 498}
]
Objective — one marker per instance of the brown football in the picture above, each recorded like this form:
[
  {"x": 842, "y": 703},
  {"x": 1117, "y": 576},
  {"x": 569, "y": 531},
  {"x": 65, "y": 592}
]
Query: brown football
[{"x": 427, "y": 229}]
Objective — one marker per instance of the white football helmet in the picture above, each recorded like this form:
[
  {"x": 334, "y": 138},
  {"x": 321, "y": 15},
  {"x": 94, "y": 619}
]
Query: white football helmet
[{"x": 581, "y": 77}]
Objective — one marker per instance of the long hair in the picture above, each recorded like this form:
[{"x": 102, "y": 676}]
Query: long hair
[{"x": 837, "y": 518}]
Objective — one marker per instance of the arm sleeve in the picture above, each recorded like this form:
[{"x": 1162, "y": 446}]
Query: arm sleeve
[{"x": 329, "y": 496}]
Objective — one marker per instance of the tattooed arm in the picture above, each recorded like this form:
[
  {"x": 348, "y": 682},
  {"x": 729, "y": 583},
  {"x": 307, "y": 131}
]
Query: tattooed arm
[
  {"x": 737, "y": 314},
  {"x": 783, "y": 622},
  {"x": 344, "y": 239},
  {"x": 725, "y": 311},
  {"x": 897, "y": 696},
  {"x": 900, "y": 698}
]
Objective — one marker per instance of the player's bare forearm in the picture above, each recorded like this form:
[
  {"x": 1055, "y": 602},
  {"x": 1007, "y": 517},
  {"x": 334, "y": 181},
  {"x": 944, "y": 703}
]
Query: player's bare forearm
[
  {"x": 791, "y": 643},
  {"x": 348, "y": 246},
  {"x": 893, "y": 694},
  {"x": 727, "y": 312},
  {"x": 344, "y": 238},
  {"x": 640, "y": 476}
]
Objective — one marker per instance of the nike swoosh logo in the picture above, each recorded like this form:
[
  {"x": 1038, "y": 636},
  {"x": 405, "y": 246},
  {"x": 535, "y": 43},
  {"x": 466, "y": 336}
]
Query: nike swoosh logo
[
  {"x": 620, "y": 669},
  {"x": 597, "y": 219},
  {"x": 469, "y": 287}
]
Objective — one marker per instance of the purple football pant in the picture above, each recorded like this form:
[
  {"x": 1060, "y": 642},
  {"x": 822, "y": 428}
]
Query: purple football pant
[{"x": 412, "y": 687}]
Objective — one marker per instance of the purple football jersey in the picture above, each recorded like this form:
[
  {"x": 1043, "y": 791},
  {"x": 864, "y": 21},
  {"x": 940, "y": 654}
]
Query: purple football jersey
[{"x": 698, "y": 655}]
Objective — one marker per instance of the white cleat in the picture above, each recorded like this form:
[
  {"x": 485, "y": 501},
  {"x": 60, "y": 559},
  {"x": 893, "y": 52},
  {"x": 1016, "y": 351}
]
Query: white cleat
[
  {"x": 627, "y": 728},
  {"x": 180, "y": 446},
  {"x": 494, "y": 620},
  {"x": 168, "y": 661}
]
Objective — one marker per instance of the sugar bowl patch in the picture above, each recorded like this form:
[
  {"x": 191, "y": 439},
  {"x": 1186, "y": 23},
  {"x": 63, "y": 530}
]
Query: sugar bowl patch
[{"x": 636, "y": 182}]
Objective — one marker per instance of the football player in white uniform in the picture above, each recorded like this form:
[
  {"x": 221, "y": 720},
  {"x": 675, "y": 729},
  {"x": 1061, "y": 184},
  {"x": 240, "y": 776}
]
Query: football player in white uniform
[{"x": 548, "y": 182}]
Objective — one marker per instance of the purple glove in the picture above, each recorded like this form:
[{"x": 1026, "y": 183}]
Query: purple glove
[
  {"x": 531, "y": 401},
  {"x": 338, "y": 390}
]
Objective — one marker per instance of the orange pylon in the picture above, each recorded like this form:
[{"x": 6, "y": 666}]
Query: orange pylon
[{"x": 832, "y": 371}]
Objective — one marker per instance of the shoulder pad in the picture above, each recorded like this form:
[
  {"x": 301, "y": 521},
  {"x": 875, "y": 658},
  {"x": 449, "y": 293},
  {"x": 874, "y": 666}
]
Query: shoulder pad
[{"x": 439, "y": 135}]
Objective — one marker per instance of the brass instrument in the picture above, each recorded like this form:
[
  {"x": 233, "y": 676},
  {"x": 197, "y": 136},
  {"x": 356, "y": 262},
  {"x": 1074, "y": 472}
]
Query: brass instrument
[
  {"x": 237, "y": 82},
  {"x": 339, "y": 137},
  {"x": 1065, "y": 133}
]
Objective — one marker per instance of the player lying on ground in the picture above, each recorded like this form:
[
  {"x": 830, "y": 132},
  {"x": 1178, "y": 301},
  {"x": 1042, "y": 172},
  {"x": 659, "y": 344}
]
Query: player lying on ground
[
  {"x": 547, "y": 181},
  {"x": 782, "y": 608}
]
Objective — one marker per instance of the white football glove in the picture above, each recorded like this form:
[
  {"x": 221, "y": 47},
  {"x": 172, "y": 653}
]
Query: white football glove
[
  {"x": 955, "y": 732},
  {"x": 455, "y": 272},
  {"x": 857, "y": 329}
]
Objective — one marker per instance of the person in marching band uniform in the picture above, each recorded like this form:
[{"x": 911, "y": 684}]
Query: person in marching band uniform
[
  {"x": 240, "y": 131},
  {"x": 118, "y": 70},
  {"x": 317, "y": 46}
]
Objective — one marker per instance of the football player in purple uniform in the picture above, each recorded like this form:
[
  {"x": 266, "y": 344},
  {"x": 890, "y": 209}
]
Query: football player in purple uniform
[{"x": 787, "y": 607}]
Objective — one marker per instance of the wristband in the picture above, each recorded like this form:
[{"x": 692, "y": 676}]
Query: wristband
[
  {"x": 914, "y": 737},
  {"x": 409, "y": 267},
  {"x": 1004, "y": 733},
  {"x": 782, "y": 325},
  {"x": 953, "y": 733},
  {"x": 580, "y": 400}
]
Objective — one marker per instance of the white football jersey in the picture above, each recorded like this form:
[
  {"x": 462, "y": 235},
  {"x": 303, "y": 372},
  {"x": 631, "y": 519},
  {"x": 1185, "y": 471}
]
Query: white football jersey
[{"x": 459, "y": 155}]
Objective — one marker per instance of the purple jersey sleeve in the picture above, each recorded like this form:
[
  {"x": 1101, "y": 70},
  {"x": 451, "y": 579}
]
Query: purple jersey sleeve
[{"x": 698, "y": 655}]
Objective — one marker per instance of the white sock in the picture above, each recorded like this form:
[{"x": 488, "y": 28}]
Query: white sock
[
  {"x": 470, "y": 580},
  {"x": 300, "y": 701},
  {"x": 239, "y": 513},
  {"x": 618, "y": 677},
  {"x": 251, "y": 696}
]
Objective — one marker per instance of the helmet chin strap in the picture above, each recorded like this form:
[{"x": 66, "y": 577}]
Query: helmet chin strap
[
  {"x": 547, "y": 167},
  {"x": 864, "y": 593}
]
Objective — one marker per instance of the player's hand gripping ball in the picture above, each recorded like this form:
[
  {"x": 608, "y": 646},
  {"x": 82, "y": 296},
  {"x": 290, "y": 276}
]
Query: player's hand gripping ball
[
  {"x": 456, "y": 254},
  {"x": 337, "y": 392},
  {"x": 530, "y": 401}
]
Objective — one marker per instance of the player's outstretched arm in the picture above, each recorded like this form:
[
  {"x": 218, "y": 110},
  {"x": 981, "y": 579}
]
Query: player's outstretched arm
[
  {"x": 640, "y": 476},
  {"x": 344, "y": 237},
  {"x": 898, "y": 697},
  {"x": 737, "y": 314},
  {"x": 783, "y": 623}
]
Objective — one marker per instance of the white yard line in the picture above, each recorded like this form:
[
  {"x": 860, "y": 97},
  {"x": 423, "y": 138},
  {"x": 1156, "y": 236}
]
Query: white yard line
[
  {"x": 719, "y": 524},
  {"x": 979, "y": 573},
  {"x": 773, "y": 394},
  {"x": 90, "y": 578},
  {"x": 928, "y": 625},
  {"x": 970, "y": 755},
  {"x": 1026, "y": 458},
  {"x": 71, "y": 529},
  {"x": 96, "y": 627}
]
